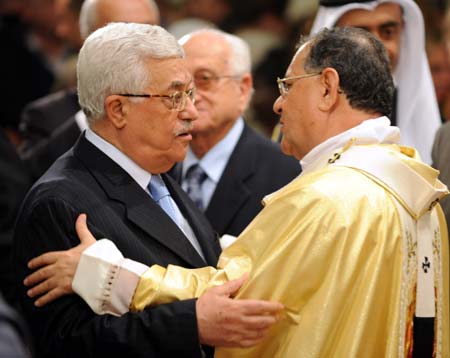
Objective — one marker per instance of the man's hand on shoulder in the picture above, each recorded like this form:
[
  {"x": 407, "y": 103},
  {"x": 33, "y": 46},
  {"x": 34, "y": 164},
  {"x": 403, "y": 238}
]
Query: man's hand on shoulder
[
  {"x": 226, "y": 322},
  {"x": 55, "y": 270}
]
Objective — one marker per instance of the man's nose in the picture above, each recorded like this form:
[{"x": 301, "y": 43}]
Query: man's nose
[
  {"x": 189, "y": 112},
  {"x": 277, "y": 105}
]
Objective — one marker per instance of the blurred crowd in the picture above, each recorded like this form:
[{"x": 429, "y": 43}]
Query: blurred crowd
[{"x": 41, "y": 39}]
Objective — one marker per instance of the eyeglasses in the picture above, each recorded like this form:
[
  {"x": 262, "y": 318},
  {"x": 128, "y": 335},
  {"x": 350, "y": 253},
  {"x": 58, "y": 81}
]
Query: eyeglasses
[
  {"x": 177, "y": 100},
  {"x": 284, "y": 87},
  {"x": 205, "y": 80}
]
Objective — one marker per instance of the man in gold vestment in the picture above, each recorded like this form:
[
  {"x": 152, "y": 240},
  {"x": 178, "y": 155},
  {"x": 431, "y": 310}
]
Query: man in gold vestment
[{"x": 355, "y": 248}]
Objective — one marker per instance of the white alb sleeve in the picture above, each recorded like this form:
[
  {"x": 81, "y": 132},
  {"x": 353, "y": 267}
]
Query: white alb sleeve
[
  {"x": 105, "y": 279},
  {"x": 226, "y": 240}
]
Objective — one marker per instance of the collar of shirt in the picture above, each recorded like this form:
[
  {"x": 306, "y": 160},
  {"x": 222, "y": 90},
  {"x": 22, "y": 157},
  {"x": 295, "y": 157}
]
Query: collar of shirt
[
  {"x": 81, "y": 120},
  {"x": 215, "y": 160},
  {"x": 370, "y": 131},
  {"x": 141, "y": 176}
]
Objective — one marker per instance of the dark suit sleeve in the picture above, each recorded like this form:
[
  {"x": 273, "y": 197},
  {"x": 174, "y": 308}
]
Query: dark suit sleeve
[
  {"x": 68, "y": 327},
  {"x": 14, "y": 183},
  {"x": 13, "y": 333}
]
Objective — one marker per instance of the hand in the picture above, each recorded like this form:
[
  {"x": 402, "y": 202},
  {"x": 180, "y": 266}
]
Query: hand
[
  {"x": 225, "y": 322},
  {"x": 57, "y": 268}
]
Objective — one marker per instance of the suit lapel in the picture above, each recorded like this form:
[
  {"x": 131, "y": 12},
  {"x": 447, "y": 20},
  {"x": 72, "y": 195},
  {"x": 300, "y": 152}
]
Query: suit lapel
[
  {"x": 140, "y": 208},
  {"x": 232, "y": 191}
]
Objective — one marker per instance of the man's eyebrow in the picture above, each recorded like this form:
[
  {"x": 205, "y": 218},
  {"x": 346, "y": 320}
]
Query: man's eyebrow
[
  {"x": 179, "y": 85},
  {"x": 176, "y": 85},
  {"x": 203, "y": 70},
  {"x": 390, "y": 24},
  {"x": 384, "y": 25}
]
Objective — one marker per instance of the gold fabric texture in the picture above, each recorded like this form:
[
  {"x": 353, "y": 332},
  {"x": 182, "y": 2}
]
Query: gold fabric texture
[{"x": 330, "y": 247}]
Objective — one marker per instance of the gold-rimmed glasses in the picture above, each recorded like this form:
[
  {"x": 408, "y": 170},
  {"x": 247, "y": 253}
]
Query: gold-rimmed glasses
[
  {"x": 177, "y": 99},
  {"x": 284, "y": 87}
]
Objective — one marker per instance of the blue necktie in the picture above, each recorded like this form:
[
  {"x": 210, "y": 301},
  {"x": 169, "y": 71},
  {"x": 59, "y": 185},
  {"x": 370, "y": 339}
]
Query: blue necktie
[
  {"x": 161, "y": 196},
  {"x": 195, "y": 176}
]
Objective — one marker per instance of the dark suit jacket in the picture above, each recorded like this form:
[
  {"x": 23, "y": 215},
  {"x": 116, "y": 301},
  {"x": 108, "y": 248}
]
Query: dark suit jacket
[
  {"x": 441, "y": 161},
  {"x": 14, "y": 184},
  {"x": 86, "y": 180},
  {"x": 45, "y": 151},
  {"x": 49, "y": 129},
  {"x": 257, "y": 167},
  {"x": 41, "y": 117}
]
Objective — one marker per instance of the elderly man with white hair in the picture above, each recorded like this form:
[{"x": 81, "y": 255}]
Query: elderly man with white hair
[
  {"x": 138, "y": 97},
  {"x": 52, "y": 124}
]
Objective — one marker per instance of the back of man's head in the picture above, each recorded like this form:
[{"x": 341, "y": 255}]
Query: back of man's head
[
  {"x": 361, "y": 62},
  {"x": 97, "y": 13},
  {"x": 114, "y": 59}
]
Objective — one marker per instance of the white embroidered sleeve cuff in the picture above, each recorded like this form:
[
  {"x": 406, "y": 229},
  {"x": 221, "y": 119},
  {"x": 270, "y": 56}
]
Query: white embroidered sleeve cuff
[{"x": 105, "y": 279}]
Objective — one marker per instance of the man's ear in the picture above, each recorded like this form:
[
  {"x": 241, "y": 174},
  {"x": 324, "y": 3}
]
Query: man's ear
[
  {"x": 246, "y": 89},
  {"x": 330, "y": 89},
  {"x": 116, "y": 108}
]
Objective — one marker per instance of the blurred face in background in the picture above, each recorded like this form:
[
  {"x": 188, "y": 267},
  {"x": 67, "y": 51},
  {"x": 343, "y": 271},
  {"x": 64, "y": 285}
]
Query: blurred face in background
[
  {"x": 440, "y": 70},
  {"x": 67, "y": 24},
  {"x": 215, "y": 11},
  {"x": 40, "y": 15},
  {"x": 385, "y": 22},
  {"x": 137, "y": 11},
  {"x": 222, "y": 95}
]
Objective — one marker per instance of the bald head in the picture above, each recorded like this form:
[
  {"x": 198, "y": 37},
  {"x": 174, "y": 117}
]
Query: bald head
[
  {"x": 98, "y": 13},
  {"x": 237, "y": 50}
]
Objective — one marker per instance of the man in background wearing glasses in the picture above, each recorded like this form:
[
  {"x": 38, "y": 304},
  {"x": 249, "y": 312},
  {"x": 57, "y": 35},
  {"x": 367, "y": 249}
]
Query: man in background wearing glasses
[
  {"x": 229, "y": 167},
  {"x": 138, "y": 97}
]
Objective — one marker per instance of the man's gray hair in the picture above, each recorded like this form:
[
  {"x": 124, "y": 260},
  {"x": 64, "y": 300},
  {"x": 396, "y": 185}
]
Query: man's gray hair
[
  {"x": 240, "y": 61},
  {"x": 88, "y": 16},
  {"x": 113, "y": 60}
]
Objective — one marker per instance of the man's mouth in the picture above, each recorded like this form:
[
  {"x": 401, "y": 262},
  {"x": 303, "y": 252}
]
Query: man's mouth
[
  {"x": 185, "y": 131},
  {"x": 185, "y": 134}
]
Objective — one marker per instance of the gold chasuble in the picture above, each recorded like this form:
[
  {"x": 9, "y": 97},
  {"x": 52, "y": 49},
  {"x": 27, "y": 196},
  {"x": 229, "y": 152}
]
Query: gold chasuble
[{"x": 353, "y": 249}]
